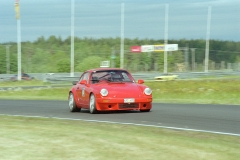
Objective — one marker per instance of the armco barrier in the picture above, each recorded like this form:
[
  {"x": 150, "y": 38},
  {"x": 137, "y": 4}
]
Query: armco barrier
[
  {"x": 66, "y": 78},
  {"x": 151, "y": 76}
]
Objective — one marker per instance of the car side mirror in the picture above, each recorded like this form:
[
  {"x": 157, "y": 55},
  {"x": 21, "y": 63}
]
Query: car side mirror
[
  {"x": 84, "y": 82},
  {"x": 140, "y": 81}
]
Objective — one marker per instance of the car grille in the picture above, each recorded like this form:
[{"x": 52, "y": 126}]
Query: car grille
[{"x": 128, "y": 105}]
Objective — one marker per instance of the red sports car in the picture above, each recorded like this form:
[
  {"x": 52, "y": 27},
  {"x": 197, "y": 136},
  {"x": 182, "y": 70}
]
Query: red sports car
[{"x": 109, "y": 89}]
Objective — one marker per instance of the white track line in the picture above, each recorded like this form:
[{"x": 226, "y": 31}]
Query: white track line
[{"x": 135, "y": 124}]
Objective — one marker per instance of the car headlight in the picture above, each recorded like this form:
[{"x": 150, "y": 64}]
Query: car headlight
[
  {"x": 148, "y": 91},
  {"x": 104, "y": 92}
]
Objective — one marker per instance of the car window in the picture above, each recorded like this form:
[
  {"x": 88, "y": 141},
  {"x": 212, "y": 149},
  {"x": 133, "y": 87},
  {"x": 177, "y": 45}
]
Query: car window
[
  {"x": 126, "y": 76},
  {"x": 84, "y": 77},
  {"x": 111, "y": 76},
  {"x": 81, "y": 78},
  {"x": 25, "y": 75}
]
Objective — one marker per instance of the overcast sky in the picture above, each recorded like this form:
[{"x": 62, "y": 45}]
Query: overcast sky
[{"x": 102, "y": 18}]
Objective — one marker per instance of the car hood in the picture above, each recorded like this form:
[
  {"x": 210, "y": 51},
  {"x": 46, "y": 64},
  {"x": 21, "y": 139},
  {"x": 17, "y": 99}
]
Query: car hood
[{"x": 123, "y": 90}]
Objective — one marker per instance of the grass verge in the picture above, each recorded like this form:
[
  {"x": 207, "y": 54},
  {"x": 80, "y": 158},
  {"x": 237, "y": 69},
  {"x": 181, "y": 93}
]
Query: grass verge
[
  {"x": 48, "y": 139},
  {"x": 223, "y": 91}
]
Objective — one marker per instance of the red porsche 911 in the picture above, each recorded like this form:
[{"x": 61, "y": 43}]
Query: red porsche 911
[{"x": 109, "y": 89}]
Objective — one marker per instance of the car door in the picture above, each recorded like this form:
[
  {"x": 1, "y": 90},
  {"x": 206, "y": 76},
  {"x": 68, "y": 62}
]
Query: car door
[
  {"x": 82, "y": 90},
  {"x": 79, "y": 88},
  {"x": 86, "y": 90}
]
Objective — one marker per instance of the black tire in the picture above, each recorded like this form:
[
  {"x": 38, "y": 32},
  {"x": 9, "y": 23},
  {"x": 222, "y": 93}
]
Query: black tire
[
  {"x": 72, "y": 104},
  {"x": 144, "y": 110},
  {"x": 92, "y": 104}
]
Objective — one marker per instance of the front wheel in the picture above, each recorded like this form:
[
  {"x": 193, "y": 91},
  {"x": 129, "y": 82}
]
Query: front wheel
[
  {"x": 72, "y": 104},
  {"x": 92, "y": 104}
]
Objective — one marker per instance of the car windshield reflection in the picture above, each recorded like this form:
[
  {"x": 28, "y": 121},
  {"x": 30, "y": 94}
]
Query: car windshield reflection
[{"x": 116, "y": 76}]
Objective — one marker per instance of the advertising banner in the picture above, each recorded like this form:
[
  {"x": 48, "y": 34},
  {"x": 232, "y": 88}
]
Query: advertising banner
[
  {"x": 171, "y": 47},
  {"x": 159, "y": 48},
  {"x": 154, "y": 48},
  {"x": 136, "y": 49},
  {"x": 147, "y": 48}
]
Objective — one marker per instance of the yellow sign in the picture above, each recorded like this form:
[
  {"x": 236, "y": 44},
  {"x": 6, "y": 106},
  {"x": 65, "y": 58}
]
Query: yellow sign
[
  {"x": 17, "y": 9},
  {"x": 159, "y": 48}
]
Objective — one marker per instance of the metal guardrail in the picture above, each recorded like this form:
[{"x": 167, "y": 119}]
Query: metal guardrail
[
  {"x": 152, "y": 75},
  {"x": 65, "y": 77}
]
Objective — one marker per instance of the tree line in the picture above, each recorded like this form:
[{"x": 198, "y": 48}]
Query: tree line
[{"x": 52, "y": 54}]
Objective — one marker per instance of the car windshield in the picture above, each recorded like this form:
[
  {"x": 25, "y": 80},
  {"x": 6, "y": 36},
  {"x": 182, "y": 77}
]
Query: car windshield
[
  {"x": 25, "y": 75},
  {"x": 119, "y": 76}
]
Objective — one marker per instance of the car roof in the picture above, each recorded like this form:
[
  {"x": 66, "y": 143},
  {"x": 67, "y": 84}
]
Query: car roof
[{"x": 105, "y": 69}]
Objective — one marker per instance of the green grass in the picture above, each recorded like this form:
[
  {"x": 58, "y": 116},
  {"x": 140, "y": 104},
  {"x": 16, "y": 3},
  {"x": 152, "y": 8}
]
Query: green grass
[
  {"x": 222, "y": 77},
  {"x": 223, "y": 91},
  {"x": 37, "y": 94},
  {"x": 200, "y": 91},
  {"x": 50, "y": 139},
  {"x": 23, "y": 83},
  {"x": 46, "y": 138}
]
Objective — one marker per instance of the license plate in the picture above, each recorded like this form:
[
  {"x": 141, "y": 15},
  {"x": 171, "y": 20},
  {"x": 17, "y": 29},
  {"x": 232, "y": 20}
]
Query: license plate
[{"x": 129, "y": 100}]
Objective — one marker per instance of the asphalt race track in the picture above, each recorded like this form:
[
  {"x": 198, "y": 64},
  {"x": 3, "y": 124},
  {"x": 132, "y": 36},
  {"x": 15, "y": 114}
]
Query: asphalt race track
[{"x": 224, "y": 119}]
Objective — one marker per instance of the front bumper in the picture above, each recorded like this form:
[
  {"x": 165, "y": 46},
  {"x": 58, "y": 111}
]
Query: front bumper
[{"x": 108, "y": 104}]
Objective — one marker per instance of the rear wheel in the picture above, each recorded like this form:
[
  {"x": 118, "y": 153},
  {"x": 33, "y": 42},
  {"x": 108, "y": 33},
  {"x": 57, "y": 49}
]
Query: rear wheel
[
  {"x": 145, "y": 110},
  {"x": 72, "y": 104},
  {"x": 92, "y": 104}
]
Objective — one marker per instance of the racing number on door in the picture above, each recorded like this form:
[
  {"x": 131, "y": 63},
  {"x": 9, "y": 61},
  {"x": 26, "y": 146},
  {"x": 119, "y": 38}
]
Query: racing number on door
[{"x": 83, "y": 92}]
